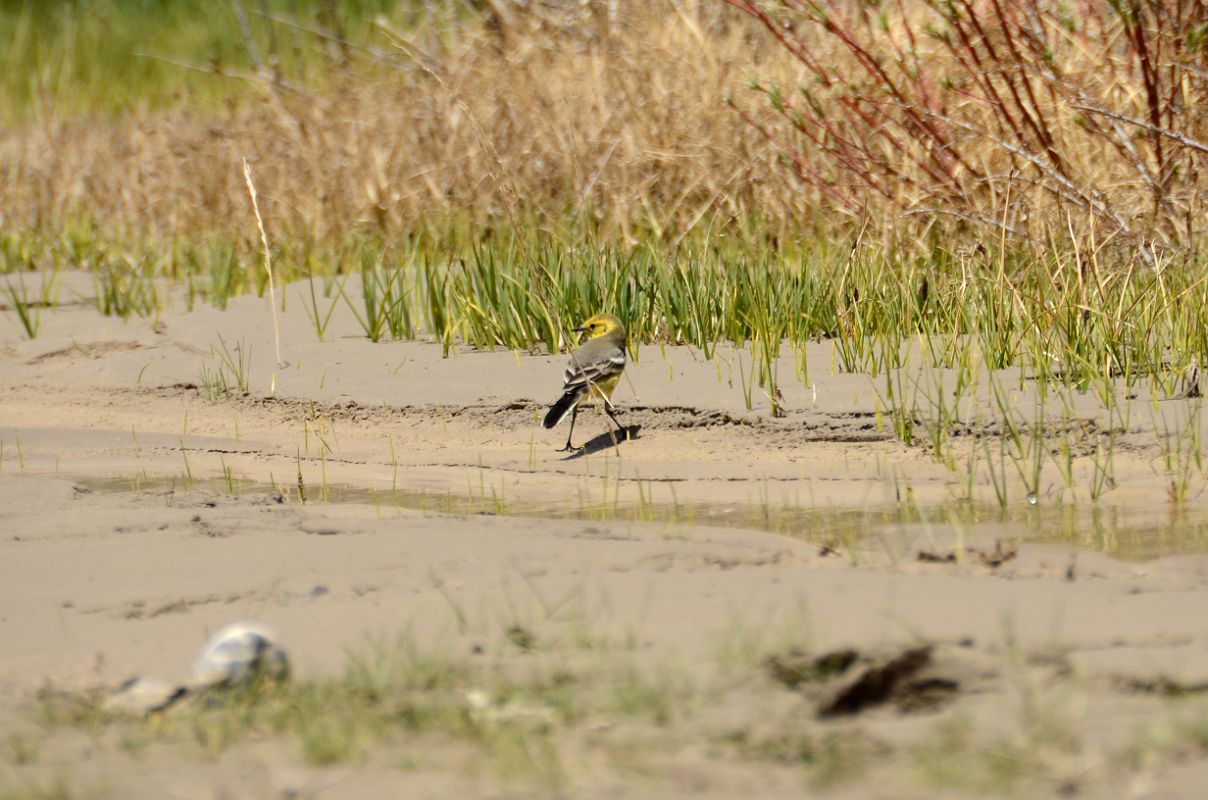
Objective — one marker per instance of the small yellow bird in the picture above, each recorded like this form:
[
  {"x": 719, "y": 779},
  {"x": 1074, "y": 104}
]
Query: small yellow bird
[{"x": 594, "y": 371}]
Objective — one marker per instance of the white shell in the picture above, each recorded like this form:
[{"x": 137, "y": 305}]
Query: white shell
[{"x": 237, "y": 654}]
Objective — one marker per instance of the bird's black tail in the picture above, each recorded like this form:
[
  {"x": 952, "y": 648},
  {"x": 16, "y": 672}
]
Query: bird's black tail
[{"x": 559, "y": 410}]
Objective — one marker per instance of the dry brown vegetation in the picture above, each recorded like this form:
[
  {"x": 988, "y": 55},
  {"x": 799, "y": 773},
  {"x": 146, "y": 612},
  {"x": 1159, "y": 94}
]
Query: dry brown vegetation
[
  {"x": 504, "y": 115},
  {"x": 1033, "y": 116}
]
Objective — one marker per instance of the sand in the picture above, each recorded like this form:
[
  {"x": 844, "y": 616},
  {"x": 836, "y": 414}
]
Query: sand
[{"x": 137, "y": 516}]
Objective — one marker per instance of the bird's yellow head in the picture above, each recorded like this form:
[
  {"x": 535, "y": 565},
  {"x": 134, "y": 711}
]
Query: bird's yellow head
[{"x": 603, "y": 325}]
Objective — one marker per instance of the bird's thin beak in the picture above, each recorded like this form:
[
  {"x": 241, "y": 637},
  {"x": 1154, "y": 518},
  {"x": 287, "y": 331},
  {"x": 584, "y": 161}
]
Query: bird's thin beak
[{"x": 578, "y": 330}]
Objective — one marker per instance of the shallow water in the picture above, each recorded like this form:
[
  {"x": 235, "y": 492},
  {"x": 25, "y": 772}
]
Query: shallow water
[{"x": 1132, "y": 534}]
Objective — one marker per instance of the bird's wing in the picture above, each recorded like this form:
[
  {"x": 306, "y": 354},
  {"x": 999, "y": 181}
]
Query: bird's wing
[{"x": 582, "y": 372}]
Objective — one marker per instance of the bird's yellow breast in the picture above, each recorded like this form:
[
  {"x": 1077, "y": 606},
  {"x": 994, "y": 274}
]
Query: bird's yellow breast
[{"x": 602, "y": 388}]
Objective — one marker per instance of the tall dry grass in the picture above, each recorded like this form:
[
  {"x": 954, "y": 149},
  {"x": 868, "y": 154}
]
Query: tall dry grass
[
  {"x": 613, "y": 113},
  {"x": 1038, "y": 118}
]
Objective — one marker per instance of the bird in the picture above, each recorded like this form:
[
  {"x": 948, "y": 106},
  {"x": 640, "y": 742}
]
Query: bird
[{"x": 594, "y": 371}]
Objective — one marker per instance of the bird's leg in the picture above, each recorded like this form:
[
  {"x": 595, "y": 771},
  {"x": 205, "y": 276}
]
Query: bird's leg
[
  {"x": 610, "y": 409},
  {"x": 611, "y": 435},
  {"x": 574, "y": 412},
  {"x": 613, "y": 417}
]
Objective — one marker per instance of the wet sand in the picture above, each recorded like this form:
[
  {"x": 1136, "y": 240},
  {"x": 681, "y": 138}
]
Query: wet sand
[{"x": 366, "y": 489}]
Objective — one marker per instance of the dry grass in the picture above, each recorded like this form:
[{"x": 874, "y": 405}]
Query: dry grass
[
  {"x": 620, "y": 121},
  {"x": 635, "y": 121}
]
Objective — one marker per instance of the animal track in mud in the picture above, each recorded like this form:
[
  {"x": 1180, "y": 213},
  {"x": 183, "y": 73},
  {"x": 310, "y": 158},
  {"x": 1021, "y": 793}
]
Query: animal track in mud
[
  {"x": 143, "y": 609},
  {"x": 89, "y": 350}
]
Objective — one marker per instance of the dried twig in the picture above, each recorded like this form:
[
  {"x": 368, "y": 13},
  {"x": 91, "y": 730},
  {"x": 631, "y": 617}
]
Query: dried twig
[{"x": 268, "y": 266}]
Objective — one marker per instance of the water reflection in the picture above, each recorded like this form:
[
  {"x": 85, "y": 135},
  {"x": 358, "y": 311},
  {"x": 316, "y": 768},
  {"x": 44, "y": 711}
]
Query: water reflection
[{"x": 1125, "y": 532}]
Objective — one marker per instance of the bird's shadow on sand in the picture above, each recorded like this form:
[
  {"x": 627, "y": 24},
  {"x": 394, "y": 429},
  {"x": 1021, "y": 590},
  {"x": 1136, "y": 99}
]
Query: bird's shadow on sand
[{"x": 605, "y": 441}]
